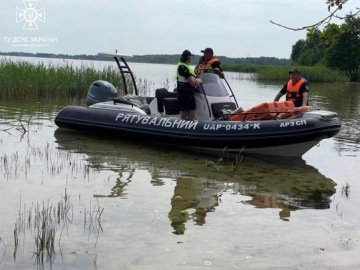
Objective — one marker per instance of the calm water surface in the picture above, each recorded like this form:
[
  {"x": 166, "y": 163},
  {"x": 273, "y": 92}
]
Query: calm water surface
[{"x": 109, "y": 204}]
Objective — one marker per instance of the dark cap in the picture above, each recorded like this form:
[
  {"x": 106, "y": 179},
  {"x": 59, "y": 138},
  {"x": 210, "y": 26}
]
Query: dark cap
[
  {"x": 294, "y": 70},
  {"x": 186, "y": 53},
  {"x": 208, "y": 50}
]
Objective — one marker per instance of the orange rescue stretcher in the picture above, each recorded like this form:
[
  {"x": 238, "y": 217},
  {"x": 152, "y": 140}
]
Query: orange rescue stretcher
[{"x": 270, "y": 111}]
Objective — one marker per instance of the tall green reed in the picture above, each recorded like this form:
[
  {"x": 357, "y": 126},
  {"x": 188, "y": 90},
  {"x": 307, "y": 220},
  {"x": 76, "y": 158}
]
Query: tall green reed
[
  {"x": 280, "y": 73},
  {"x": 3, "y": 251},
  {"x": 43, "y": 221},
  {"x": 313, "y": 74},
  {"x": 61, "y": 81},
  {"x": 46, "y": 222},
  {"x": 27, "y": 80}
]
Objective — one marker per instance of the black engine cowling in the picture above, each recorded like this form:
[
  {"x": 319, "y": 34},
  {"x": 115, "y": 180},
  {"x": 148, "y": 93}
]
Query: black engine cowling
[{"x": 100, "y": 91}]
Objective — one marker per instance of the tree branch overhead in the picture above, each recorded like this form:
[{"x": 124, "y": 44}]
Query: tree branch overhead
[{"x": 338, "y": 4}]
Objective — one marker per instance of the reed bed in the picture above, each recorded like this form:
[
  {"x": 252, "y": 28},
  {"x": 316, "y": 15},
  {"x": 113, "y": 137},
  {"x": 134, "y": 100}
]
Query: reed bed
[
  {"x": 43, "y": 221},
  {"x": 218, "y": 165},
  {"x": 92, "y": 219},
  {"x": 246, "y": 68},
  {"x": 312, "y": 74},
  {"x": 280, "y": 73},
  {"x": 27, "y": 80},
  {"x": 56, "y": 161},
  {"x": 345, "y": 190},
  {"x": 59, "y": 82},
  {"x": 2, "y": 250},
  {"x": 46, "y": 222},
  {"x": 66, "y": 81}
]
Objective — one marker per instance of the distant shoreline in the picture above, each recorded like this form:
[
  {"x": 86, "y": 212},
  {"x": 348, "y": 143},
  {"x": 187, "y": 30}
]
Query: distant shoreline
[
  {"x": 158, "y": 58},
  {"x": 265, "y": 69}
]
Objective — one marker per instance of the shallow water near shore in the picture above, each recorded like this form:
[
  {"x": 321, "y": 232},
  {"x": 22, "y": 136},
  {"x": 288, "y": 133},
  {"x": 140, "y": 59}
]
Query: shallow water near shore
[{"x": 82, "y": 201}]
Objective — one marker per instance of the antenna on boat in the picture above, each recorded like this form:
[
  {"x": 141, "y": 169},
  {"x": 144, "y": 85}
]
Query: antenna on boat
[
  {"x": 232, "y": 93},
  {"x": 206, "y": 99},
  {"x": 124, "y": 69}
]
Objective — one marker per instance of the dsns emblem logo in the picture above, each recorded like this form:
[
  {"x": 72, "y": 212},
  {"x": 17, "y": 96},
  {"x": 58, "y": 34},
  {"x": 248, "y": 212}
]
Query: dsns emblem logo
[{"x": 30, "y": 15}]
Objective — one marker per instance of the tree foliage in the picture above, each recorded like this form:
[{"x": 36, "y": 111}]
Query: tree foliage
[
  {"x": 335, "y": 3},
  {"x": 297, "y": 49},
  {"x": 344, "y": 52},
  {"x": 309, "y": 52},
  {"x": 336, "y": 46}
]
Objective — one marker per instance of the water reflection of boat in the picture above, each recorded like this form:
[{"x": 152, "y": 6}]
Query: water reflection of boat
[{"x": 288, "y": 184}]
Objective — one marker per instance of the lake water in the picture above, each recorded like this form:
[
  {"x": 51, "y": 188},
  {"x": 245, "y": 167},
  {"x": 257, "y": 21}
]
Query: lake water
[{"x": 78, "y": 201}]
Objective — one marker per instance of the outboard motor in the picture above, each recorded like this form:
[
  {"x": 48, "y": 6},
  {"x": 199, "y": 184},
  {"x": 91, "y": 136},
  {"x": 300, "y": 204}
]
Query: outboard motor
[{"x": 100, "y": 91}]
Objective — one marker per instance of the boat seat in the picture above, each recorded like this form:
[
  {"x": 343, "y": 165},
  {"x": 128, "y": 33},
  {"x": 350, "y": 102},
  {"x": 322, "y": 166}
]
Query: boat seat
[
  {"x": 167, "y": 101},
  {"x": 138, "y": 101},
  {"x": 171, "y": 105},
  {"x": 219, "y": 108}
]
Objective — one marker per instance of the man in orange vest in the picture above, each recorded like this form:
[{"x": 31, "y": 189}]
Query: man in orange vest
[
  {"x": 209, "y": 62},
  {"x": 296, "y": 90}
]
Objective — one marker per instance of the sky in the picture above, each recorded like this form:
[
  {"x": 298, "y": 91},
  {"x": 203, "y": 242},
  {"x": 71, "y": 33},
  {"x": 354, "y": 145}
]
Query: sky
[{"x": 233, "y": 28}]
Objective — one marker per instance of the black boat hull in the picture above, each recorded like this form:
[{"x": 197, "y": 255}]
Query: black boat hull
[{"x": 267, "y": 137}]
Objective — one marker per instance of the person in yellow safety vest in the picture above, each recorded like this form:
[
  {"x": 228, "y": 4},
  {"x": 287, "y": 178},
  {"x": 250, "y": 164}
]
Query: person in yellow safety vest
[
  {"x": 186, "y": 85},
  {"x": 296, "y": 89},
  {"x": 209, "y": 62}
]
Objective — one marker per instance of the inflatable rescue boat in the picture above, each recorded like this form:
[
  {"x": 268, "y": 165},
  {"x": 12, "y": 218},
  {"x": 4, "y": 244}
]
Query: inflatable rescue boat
[{"x": 275, "y": 128}]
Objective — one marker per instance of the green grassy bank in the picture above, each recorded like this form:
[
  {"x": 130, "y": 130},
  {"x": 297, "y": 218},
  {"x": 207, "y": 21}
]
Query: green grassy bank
[{"x": 280, "y": 73}]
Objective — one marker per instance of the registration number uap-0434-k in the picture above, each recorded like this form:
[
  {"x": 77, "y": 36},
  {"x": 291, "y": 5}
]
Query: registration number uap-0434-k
[{"x": 231, "y": 126}]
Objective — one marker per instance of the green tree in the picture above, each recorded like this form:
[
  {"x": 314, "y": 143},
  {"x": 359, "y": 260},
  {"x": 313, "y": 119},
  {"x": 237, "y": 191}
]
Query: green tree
[
  {"x": 328, "y": 35},
  {"x": 297, "y": 49},
  {"x": 313, "y": 37},
  {"x": 308, "y": 52},
  {"x": 310, "y": 57},
  {"x": 344, "y": 52}
]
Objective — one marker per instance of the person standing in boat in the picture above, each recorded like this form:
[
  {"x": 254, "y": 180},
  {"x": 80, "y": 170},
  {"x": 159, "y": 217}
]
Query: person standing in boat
[
  {"x": 186, "y": 85},
  {"x": 296, "y": 89},
  {"x": 209, "y": 62}
]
